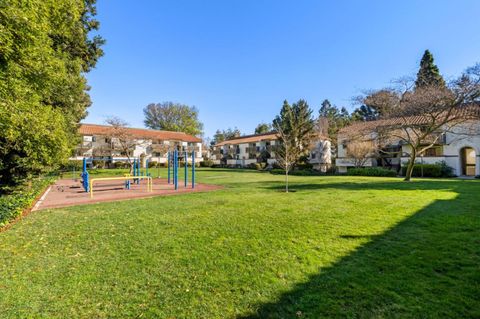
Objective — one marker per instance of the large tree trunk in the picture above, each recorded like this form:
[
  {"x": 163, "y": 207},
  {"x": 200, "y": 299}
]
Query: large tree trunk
[{"x": 411, "y": 164}]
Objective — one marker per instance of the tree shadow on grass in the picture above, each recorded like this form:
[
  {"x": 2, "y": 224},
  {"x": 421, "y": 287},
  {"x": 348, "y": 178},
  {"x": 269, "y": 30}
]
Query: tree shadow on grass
[
  {"x": 370, "y": 184},
  {"x": 427, "y": 266}
]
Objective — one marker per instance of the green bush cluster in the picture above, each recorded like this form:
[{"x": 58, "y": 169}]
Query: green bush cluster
[
  {"x": 257, "y": 166},
  {"x": 440, "y": 169},
  {"x": 72, "y": 164},
  {"x": 121, "y": 165},
  {"x": 13, "y": 204},
  {"x": 206, "y": 163},
  {"x": 371, "y": 171}
]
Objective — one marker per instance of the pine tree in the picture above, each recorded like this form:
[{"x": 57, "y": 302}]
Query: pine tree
[{"x": 428, "y": 74}]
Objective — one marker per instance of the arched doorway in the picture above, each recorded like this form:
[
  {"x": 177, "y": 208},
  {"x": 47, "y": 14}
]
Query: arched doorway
[{"x": 467, "y": 161}]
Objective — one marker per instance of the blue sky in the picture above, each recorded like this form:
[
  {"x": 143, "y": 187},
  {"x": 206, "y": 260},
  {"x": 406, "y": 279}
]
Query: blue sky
[{"x": 236, "y": 61}]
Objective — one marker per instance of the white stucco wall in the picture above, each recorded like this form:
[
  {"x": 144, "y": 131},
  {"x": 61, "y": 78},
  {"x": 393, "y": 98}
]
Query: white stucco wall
[{"x": 461, "y": 136}]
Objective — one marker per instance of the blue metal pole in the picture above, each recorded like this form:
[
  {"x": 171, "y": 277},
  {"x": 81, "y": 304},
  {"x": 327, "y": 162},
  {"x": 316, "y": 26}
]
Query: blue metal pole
[
  {"x": 186, "y": 168},
  {"x": 176, "y": 169},
  {"x": 84, "y": 164},
  {"x": 193, "y": 169},
  {"x": 138, "y": 170},
  {"x": 168, "y": 166},
  {"x": 146, "y": 167}
]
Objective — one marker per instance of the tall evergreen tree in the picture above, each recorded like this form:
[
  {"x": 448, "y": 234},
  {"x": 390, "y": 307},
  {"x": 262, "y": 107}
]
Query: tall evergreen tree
[
  {"x": 336, "y": 119},
  {"x": 428, "y": 74}
]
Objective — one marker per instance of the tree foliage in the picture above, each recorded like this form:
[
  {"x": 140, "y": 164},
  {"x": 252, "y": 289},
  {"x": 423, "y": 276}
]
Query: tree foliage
[
  {"x": 429, "y": 74},
  {"x": 295, "y": 127},
  {"x": 263, "y": 128},
  {"x": 222, "y": 135},
  {"x": 374, "y": 105},
  {"x": 171, "y": 116},
  {"x": 45, "y": 49},
  {"x": 336, "y": 119}
]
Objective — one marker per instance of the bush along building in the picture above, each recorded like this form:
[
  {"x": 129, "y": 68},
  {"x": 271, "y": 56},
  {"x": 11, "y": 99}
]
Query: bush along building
[
  {"x": 116, "y": 145},
  {"x": 455, "y": 148},
  {"x": 259, "y": 150}
]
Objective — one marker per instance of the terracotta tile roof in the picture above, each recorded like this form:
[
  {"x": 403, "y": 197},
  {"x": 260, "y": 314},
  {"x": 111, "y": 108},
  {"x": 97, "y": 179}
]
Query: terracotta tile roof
[
  {"x": 270, "y": 136},
  {"x": 96, "y": 129},
  {"x": 250, "y": 139},
  {"x": 466, "y": 112}
]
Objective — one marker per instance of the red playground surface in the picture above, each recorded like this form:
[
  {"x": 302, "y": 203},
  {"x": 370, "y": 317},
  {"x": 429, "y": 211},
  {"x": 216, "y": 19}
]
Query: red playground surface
[{"x": 68, "y": 192}]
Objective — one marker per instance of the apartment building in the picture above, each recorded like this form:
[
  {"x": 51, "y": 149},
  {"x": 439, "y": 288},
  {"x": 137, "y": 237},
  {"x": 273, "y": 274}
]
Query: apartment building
[
  {"x": 458, "y": 147},
  {"x": 153, "y": 145},
  {"x": 260, "y": 148}
]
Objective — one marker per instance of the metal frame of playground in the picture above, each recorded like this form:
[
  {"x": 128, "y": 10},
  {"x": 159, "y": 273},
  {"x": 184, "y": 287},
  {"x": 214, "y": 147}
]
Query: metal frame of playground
[{"x": 172, "y": 168}]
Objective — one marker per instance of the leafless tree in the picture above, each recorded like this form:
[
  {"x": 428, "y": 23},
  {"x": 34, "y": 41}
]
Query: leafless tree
[
  {"x": 121, "y": 138},
  {"x": 287, "y": 152},
  {"x": 360, "y": 150},
  {"x": 419, "y": 117}
]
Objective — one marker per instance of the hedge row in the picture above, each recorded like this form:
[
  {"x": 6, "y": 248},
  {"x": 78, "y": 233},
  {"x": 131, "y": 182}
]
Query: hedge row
[
  {"x": 440, "y": 169},
  {"x": 371, "y": 171},
  {"x": 13, "y": 204},
  {"x": 302, "y": 172}
]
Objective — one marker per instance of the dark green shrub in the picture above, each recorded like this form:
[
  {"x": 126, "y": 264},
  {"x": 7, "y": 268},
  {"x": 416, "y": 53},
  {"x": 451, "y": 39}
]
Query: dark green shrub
[
  {"x": 72, "y": 164},
  {"x": 121, "y": 165},
  {"x": 206, "y": 163},
  {"x": 153, "y": 164},
  {"x": 371, "y": 171},
  {"x": 440, "y": 169},
  {"x": 256, "y": 166},
  {"x": 99, "y": 164},
  {"x": 12, "y": 205},
  {"x": 304, "y": 166}
]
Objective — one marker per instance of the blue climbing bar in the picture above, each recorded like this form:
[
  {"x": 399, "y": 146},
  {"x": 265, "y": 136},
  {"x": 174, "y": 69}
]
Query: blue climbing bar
[
  {"x": 193, "y": 169},
  {"x": 186, "y": 168}
]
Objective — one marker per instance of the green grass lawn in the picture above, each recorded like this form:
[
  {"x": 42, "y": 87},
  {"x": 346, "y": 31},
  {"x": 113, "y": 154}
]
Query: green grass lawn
[{"x": 336, "y": 247}]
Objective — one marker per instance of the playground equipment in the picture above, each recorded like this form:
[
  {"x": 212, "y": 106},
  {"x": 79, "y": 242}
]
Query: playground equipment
[
  {"x": 172, "y": 168},
  {"x": 126, "y": 178},
  {"x": 87, "y": 182}
]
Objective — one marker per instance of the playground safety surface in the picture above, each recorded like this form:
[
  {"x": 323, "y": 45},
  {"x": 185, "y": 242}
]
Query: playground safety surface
[{"x": 68, "y": 192}]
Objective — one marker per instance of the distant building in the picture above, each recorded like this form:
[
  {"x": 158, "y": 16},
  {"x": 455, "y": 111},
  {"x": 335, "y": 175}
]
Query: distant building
[
  {"x": 145, "y": 144},
  {"x": 245, "y": 150},
  {"x": 458, "y": 148}
]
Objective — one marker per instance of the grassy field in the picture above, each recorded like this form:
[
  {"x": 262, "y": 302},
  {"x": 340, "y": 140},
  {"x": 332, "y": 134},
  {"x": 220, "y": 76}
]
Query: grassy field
[{"x": 336, "y": 247}]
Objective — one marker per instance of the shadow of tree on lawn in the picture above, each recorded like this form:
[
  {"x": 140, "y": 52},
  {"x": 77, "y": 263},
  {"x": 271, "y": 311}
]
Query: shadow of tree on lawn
[{"x": 427, "y": 266}]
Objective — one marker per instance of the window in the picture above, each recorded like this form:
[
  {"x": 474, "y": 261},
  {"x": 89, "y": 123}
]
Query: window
[
  {"x": 314, "y": 155},
  {"x": 432, "y": 152},
  {"x": 94, "y": 138}
]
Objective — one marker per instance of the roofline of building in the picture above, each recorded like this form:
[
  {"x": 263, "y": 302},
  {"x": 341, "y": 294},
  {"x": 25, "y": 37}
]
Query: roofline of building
[
  {"x": 245, "y": 136},
  {"x": 144, "y": 129},
  {"x": 251, "y": 135}
]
